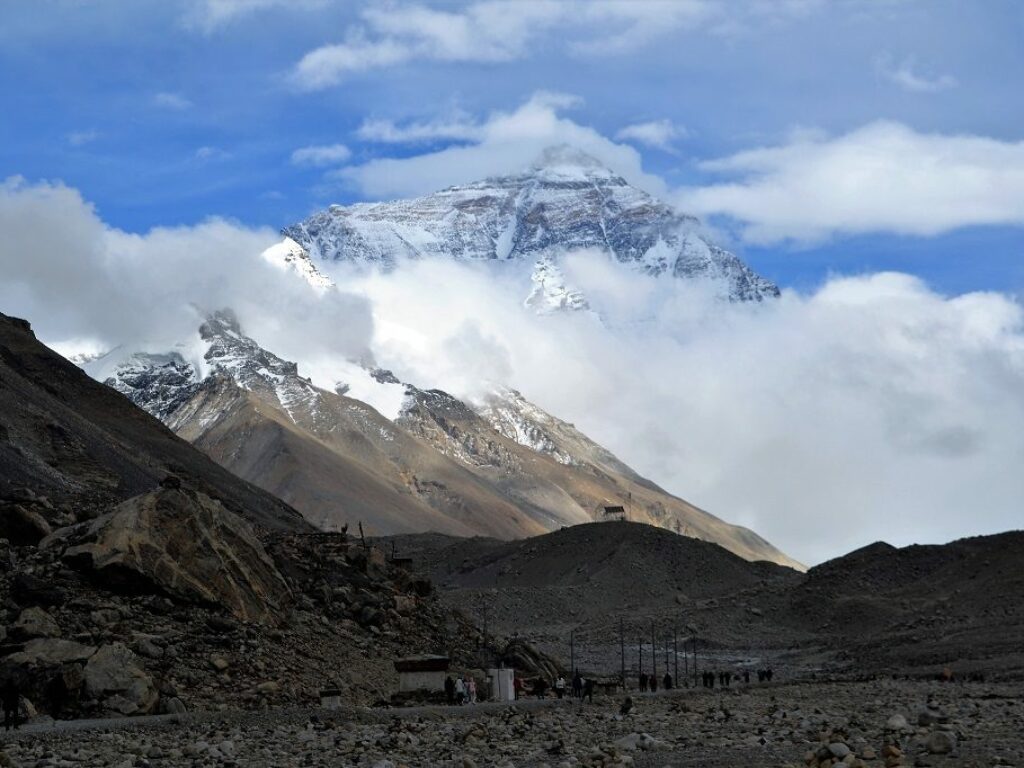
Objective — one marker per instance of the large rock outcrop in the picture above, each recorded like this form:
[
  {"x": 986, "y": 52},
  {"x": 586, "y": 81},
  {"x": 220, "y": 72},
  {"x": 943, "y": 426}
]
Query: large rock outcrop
[{"x": 184, "y": 544}]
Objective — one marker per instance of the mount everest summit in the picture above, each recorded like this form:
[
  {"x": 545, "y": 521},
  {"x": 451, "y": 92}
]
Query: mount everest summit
[
  {"x": 565, "y": 202},
  {"x": 400, "y": 456}
]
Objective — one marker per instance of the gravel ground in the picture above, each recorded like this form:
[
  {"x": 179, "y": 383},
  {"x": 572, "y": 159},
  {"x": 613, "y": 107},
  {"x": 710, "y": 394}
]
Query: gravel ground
[{"x": 868, "y": 724}]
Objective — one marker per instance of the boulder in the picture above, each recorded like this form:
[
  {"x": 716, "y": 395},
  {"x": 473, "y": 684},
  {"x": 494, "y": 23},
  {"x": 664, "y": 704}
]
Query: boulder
[
  {"x": 34, "y": 622},
  {"x": 116, "y": 676},
  {"x": 22, "y": 525},
  {"x": 50, "y": 652},
  {"x": 185, "y": 544},
  {"x": 940, "y": 742}
]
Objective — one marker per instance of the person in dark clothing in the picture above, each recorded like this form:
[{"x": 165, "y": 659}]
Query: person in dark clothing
[
  {"x": 652, "y": 683},
  {"x": 666, "y": 682},
  {"x": 588, "y": 691},
  {"x": 10, "y": 698},
  {"x": 540, "y": 688},
  {"x": 643, "y": 682},
  {"x": 449, "y": 689},
  {"x": 746, "y": 676},
  {"x": 577, "y": 685},
  {"x": 711, "y": 679},
  {"x": 768, "y": 674}
]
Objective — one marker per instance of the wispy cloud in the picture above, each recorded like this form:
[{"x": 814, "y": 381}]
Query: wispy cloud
[
  {"x": 883, "y": 177},
  {"x": 208, "y": 16},
  {"x": 172, "y": 101},
  {"x": 328, "y": 154},
  {"x": 493, "y": 31},
  {"x": 207, "y": 154},
  {"x": 907, "y": 76},
  {"x": 81, "y": 138},
  {"x": 459, "y": 127},
  {"x": 659, "y": 134}
]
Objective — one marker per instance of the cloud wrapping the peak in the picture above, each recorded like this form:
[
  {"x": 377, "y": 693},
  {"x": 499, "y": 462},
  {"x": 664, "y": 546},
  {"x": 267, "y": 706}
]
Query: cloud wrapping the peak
[
  {"x": 882, "y": 177},
  {"x": 503, "y": 143}
]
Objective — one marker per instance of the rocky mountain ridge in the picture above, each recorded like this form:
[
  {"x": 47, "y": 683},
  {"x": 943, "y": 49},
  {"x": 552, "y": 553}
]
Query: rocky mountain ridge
[{"x": 502, "y": 468}]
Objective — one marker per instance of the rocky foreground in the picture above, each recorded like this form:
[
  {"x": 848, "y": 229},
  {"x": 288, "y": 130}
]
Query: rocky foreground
[{"x": 869, "y": 724}]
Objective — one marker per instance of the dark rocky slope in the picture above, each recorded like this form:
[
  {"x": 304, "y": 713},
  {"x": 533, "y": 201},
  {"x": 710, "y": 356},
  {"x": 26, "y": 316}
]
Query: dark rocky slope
[{"x": 70, "y": 447}]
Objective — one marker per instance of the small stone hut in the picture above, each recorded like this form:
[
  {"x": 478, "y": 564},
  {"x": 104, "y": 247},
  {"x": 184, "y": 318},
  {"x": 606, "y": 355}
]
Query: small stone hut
[{"x": 422, "y": 673}]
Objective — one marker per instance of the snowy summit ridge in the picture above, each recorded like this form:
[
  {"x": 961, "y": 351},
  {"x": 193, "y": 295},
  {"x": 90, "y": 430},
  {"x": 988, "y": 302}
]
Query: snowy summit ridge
[{"x": 566, "y": 201}]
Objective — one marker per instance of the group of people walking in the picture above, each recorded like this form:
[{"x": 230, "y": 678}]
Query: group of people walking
[
  {"x": 460, "y": 690},
  {"x": 650, "y": 682},
  {"x": 725, "y": 679},
  {"x": 580, "y": 687}
]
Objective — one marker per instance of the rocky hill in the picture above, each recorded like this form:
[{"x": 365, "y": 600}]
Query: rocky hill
[
  {"x": 567, "y": 201},
  {"x": 915, "y": 610}
]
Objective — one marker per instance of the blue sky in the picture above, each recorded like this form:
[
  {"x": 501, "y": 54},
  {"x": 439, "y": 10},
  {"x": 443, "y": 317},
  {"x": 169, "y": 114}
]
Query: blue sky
[{"x": 164, "y": 113}]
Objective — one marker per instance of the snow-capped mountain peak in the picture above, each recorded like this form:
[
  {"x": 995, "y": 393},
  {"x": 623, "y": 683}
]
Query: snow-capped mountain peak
[{"x": 565, "y": 202}]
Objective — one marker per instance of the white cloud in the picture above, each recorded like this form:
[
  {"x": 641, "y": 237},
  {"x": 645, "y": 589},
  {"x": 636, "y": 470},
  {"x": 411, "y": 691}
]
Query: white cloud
[
  {"x": 81, "y": 138},
  {"x": 457, "y": 127},
  {"x": 329, "y": 154},
  {"x": 505, "y": 142},
  {"x": 87, "y": 286},
  {"x": 871, "y": 409},
  {"x": 207, "y": 154},
  {"x": 883, "y": 177},
  {"x": 624, "y": 25},
  {"x": 906, "y": 76},
  {"x": 172, "y": 101},
  {"x": 659, "y": 134},
  {"x": 207, "y": 16},
  {"x": 493, "y": 31}
]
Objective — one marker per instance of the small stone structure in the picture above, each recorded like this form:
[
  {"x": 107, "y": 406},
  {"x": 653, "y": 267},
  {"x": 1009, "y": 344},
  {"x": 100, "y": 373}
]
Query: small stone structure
[
  {"x": 422, "y": 673},
  {"x": 330, "y": 698}
]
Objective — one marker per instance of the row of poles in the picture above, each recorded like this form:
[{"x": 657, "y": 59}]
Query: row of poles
[{"x": 654, "y": 655}]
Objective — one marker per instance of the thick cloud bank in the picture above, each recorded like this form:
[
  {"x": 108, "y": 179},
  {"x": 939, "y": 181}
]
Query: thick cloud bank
[
  {"x": 87, "y": 286},
  {"x": 870, "y": 409}
]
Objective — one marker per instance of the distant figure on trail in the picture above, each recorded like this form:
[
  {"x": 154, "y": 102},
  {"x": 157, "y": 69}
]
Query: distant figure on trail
[
  {"x": 471, "y": 690},
  {"x": 652, "y": 682},
  {"x": 449, "y": 689},
  {"x": 666, "y": 682},
  {"x": 746, "y": 676},
  {"x": 10, "y": 698},
  {"x": 768, "y": 674},
  {"x": 560, "y": 687},
  {"x": 643, "y": 682},
  {"x": 577, "y": 685},
  {"x": 588, "y": 691},
  {"x": 460, "y": 691},
  {"x": 540, "y": 688},
  {"x": 711, "y": 679}
]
